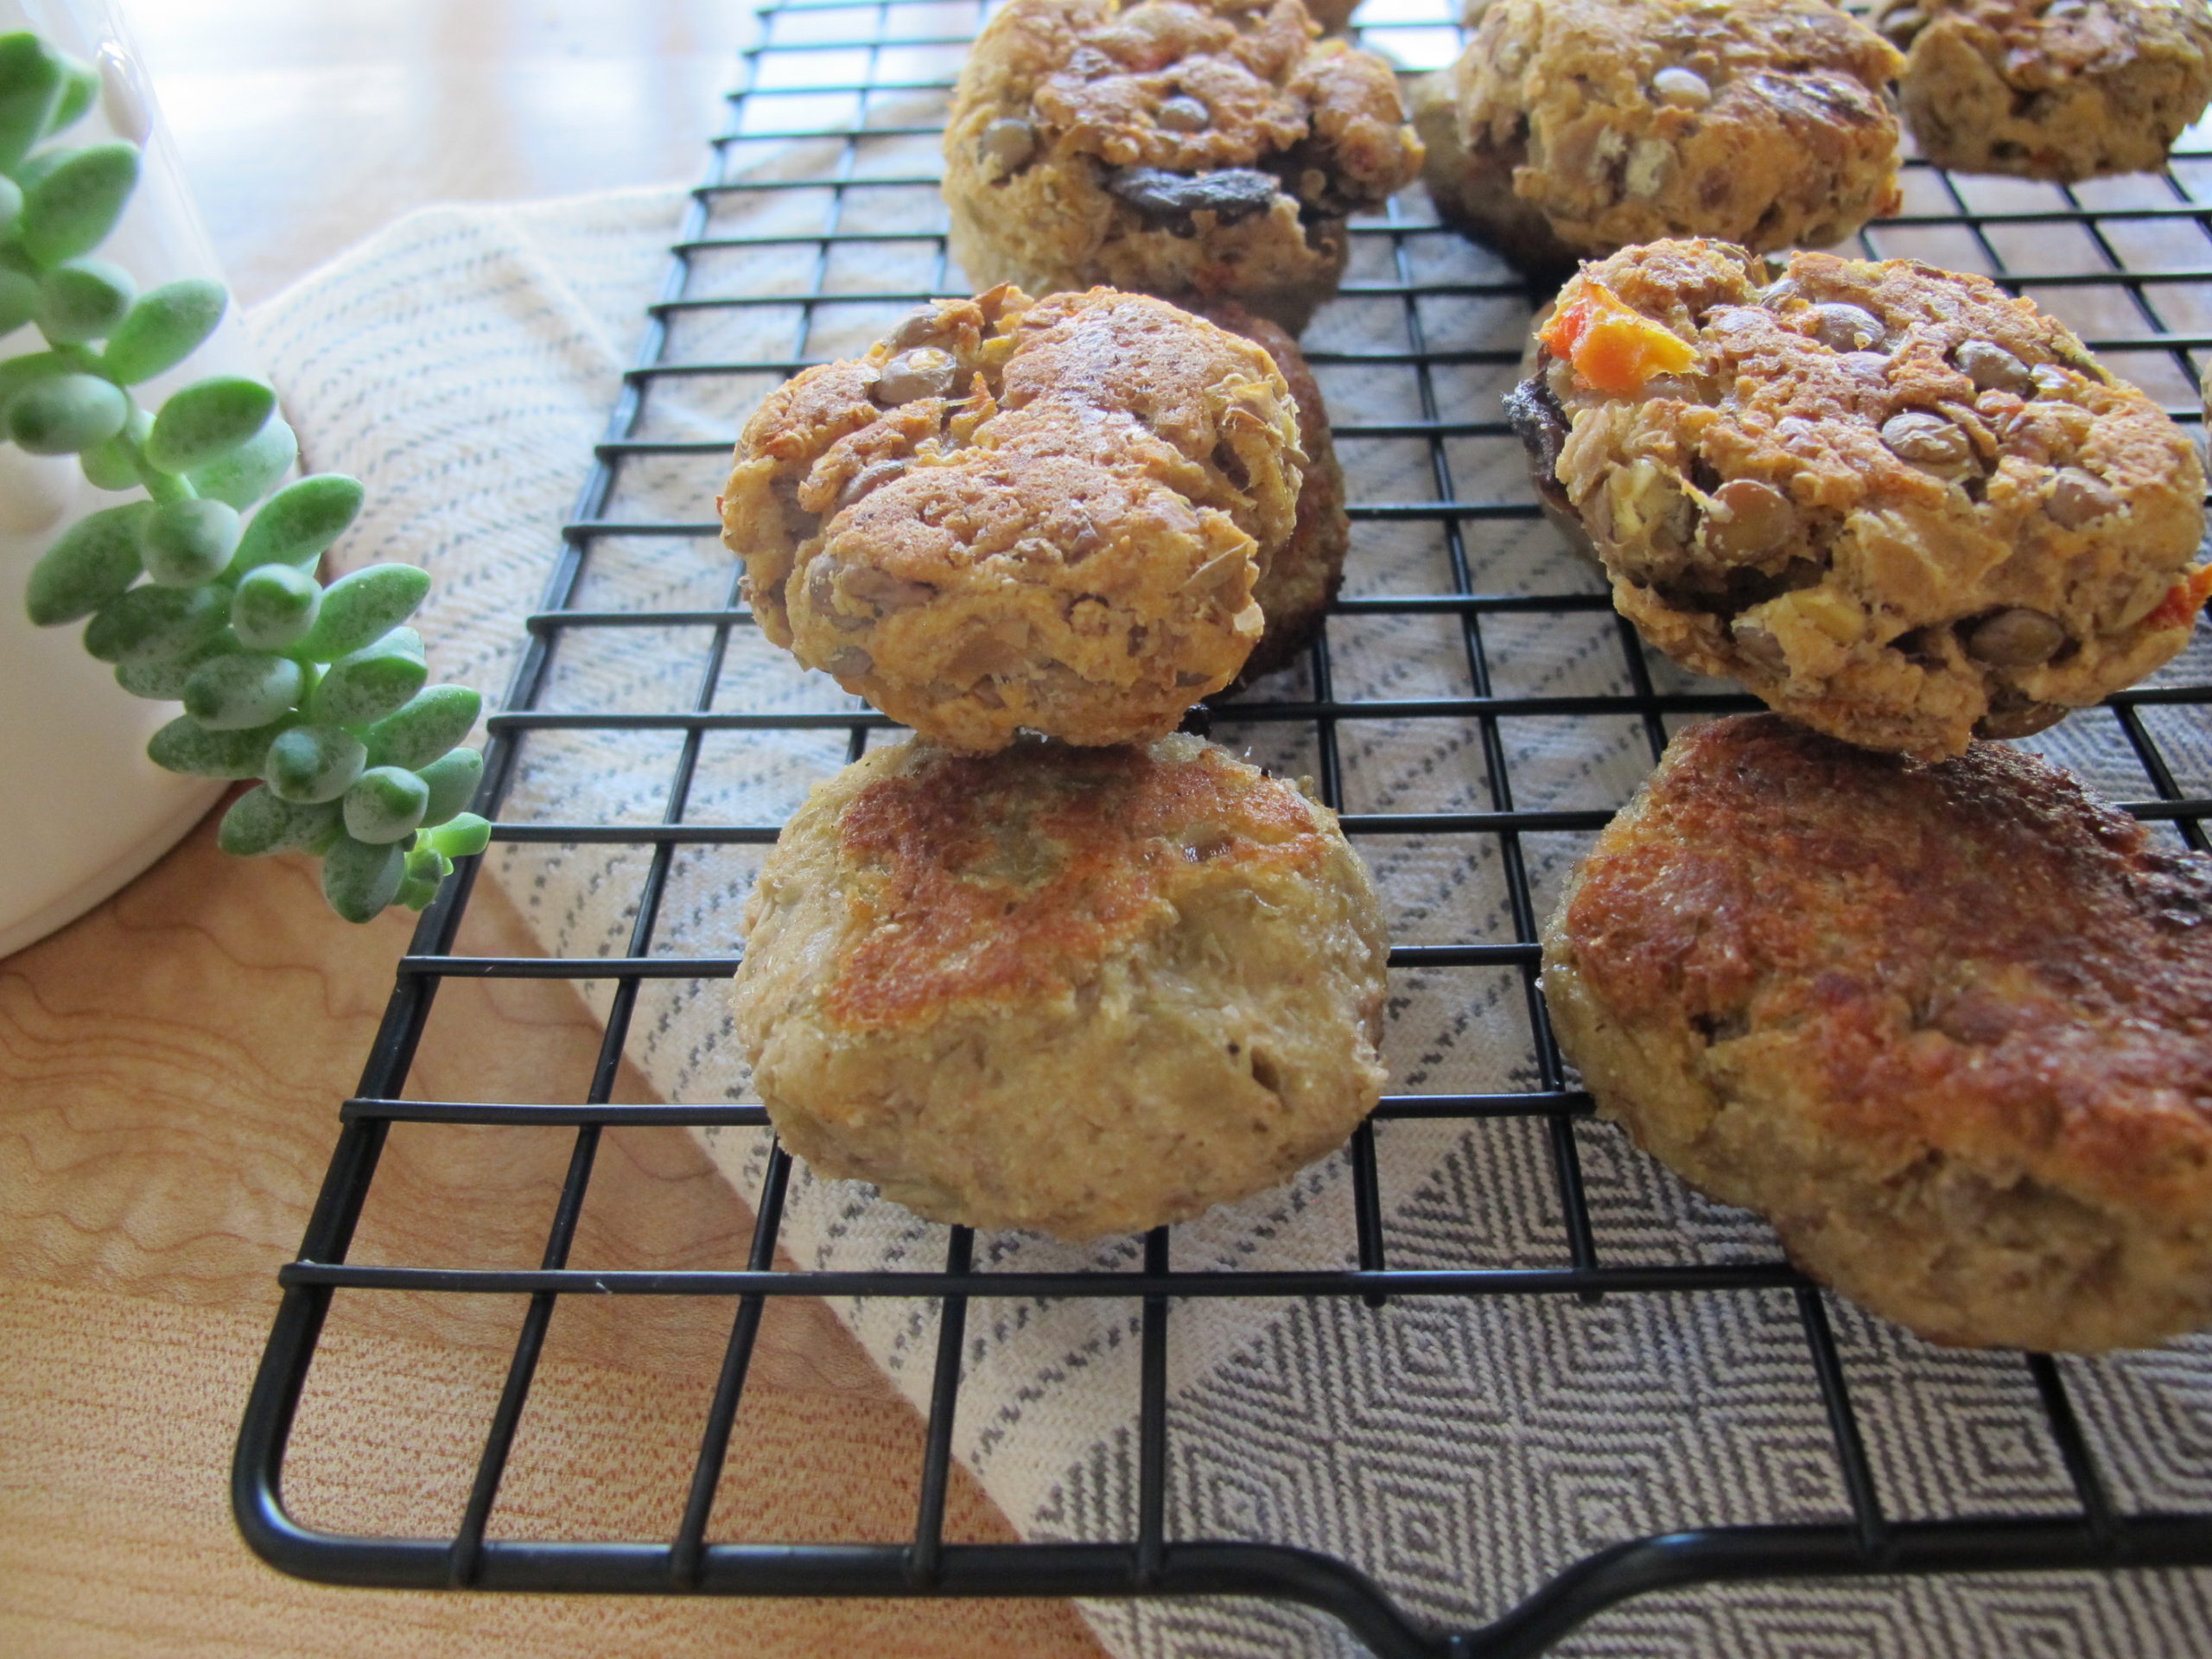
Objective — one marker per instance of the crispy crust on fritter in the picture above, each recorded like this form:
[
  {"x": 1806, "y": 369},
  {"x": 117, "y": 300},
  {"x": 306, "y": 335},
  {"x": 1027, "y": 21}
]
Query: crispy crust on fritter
[
  {"x": 1010, "y": 514},
  {"x": 1082, "y": 991},
  {"x": 1948, "y": 1027},
  {"x": 1869, "y": 465},
  {"x": 1190, "y": 89},
  {"x": 1571, "y": 128},
  {"x": 2062, "y": 91}
]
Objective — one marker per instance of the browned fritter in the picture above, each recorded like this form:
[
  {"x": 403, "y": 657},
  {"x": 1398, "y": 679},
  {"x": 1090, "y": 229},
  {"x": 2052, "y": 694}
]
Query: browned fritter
[
  {"x": 2051, "y": 89},
  {"x": 1570, "y": 128},
  {"x": 1079, "y": 990},
  {"x": 980, "y": 879},
  {"x": 1294, "y": 589},
  {"x": 1201, "y": 149},
  {"x": 1899, "y": 504},
  {"x": 1948, "y": 1027},
  {"x": 1017, "y": 515}
]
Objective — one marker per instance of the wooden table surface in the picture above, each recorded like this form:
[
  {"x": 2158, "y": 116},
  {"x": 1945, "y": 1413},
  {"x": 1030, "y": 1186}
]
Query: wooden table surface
[{"x": 171, "y": 1064}]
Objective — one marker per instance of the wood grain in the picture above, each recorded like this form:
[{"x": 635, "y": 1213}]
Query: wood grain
[{"x": 170, "y": 1072}]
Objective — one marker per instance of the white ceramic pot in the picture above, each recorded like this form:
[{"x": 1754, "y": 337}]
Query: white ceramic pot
[{"x": 87, "y": 810}]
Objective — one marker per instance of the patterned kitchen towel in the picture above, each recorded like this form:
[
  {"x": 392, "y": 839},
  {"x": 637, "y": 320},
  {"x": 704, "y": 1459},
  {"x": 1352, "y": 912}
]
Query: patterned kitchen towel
[{"x": 1462, "y": 1451}]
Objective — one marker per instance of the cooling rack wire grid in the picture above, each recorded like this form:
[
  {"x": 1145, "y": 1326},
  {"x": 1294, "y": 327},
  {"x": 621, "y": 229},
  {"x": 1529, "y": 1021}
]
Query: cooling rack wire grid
[{"x": 1475, "y": 711}]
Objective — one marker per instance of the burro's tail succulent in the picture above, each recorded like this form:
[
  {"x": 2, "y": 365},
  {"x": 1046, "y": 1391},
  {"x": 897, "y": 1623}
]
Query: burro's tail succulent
[{"x": 203, "y": 589}]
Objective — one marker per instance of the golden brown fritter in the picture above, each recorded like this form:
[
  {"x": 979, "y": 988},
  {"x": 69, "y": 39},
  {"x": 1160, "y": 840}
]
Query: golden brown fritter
[
  {"x": 1014, "y": 515},
  {"x": 1294, "y": 589},
  {"x": 2051, "y": 89},
  {"x": 1571, "y": 128},
  {"x": 1948, "y": 1027},
  {"x": 1199, "y": 150},
  {"x": 1079, "y": 991},
  {"x": 1898, "y": 504}
]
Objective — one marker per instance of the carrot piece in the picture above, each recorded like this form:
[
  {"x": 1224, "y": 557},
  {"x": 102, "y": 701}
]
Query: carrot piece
[
  {"x": 2183, "y": 600},
  {"x": 1613, "y": 346}
]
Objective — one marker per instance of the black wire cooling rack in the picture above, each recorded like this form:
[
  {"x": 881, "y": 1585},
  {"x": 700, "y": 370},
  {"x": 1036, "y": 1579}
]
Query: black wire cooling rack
[{"x": 2129, "y": 261}]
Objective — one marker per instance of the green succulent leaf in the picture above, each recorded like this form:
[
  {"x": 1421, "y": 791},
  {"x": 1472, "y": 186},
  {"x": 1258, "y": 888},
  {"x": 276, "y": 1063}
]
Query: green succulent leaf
[
  {"x": 311, "y": 764},
  {"x": 384, "y": 805},
  {"x": 83, "y": 300},
  {"x": 366, "y": 685},
  {"x": 164, "y": 327},
  {"x": 149, "y": 625},
  {"x": 453, "y": 778},
  {"x": 250, "y": 471},
  {"x": 424, "y": 860},
  {"x": 207, "y": 421},
  {"x": 187, "y": 543},
  {"x": 431, "y": 722},
  {"x": 76, "y": 199},
  {"x": 33, "y": 81},
  {"x": 416, "y": 892},
  {"x": 96, "y": 559},
  {"x": 33, "y": 169},
  {"x": 184, "y": 745},
  {"x": 81, "y": 85},
  {"x": 360, "y": 878},
  {"x": 298, "y": 522},
  {"x": 275, "y": 607},
  {"x": 461, "y": 837},
  {"x": 19, "y": 374},
  {"x": 244, "y": 692},
  {"x": 109, "y": 464},
  {"x": 64, "y": 413},
  {"x": 361, "y": 608},
  {"x": 164, "y": 681},
  {"x": 19, "y": 294},
  {"x": 258, "y": 822}
]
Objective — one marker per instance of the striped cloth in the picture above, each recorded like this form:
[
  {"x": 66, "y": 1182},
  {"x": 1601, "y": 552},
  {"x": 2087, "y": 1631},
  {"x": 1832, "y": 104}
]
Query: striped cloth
[{"x": 462, "y": 362}]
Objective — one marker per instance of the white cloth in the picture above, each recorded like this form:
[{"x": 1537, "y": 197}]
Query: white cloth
[{"x": 462, "y": 363}]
